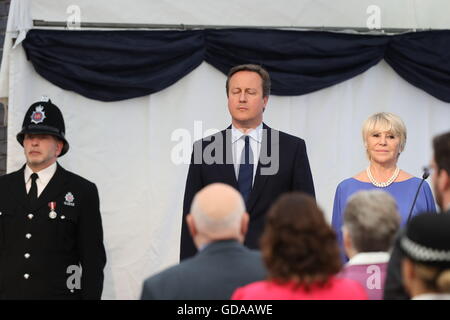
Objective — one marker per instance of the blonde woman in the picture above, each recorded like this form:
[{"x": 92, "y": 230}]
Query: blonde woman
[{"x": 384, "y": 136}]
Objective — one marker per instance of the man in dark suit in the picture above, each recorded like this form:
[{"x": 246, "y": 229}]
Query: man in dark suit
[
  {"x": 440, "y": 175},
  {"x": 260, "y": 162},
  {"x": 51, "y": 236},
  {"x": 218, "y": 223}
]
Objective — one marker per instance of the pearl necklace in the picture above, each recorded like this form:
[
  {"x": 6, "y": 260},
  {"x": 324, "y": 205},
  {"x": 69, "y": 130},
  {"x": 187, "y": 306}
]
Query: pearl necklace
[{"x": 382, "y": 184}]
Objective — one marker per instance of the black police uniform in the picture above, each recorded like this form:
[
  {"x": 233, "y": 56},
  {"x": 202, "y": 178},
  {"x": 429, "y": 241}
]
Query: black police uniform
[{"x": 41, "y": 251}]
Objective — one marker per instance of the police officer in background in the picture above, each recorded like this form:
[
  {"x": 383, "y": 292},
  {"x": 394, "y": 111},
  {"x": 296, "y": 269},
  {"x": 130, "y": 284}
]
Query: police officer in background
[{"x": 51, "y": 236}]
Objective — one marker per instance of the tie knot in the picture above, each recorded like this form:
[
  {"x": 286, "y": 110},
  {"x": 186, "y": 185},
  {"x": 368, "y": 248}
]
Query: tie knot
[
  {"x": 246, "y": 139},
  {"x": 34, "y": 177}
]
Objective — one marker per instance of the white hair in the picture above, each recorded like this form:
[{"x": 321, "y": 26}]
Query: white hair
[
  {"x": 371, "y": 218},
  {"x": 212, "y": 220}
]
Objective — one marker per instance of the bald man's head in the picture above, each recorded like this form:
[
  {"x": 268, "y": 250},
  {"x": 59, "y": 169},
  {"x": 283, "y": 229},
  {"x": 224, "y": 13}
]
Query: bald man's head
[{"x": 217, "y": 212}]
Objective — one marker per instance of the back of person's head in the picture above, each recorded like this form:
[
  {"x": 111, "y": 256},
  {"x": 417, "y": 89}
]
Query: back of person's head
[
  {"x": 426, "y": 247},
  {"x": 441, "y": 147},
  {"x": 371, "y": 220},
  {"x": 218, "y": 213},
  {"x": 298, "y": 244}
]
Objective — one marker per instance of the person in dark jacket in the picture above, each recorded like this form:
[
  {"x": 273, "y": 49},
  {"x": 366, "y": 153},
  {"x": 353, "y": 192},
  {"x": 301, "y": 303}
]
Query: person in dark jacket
[
  {"x": 260, "y": 162},
  {"x": 51, "y": 236},
  {"x": 440, "y": 175},
  {"x": 217, "y": 222}
]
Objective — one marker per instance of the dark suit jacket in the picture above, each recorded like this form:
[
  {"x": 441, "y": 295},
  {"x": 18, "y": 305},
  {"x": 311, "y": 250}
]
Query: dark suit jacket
[
  {"x": 213, "y": 274},
  {"x": 289, "y": 157},
  {"x": 393, "y": 287},
  {"x": 73, "y": 238}
]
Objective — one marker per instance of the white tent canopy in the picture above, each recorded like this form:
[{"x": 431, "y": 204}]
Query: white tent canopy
[
  {"x": 129, "y": 148},
  {"x": 343, "y": 13}
]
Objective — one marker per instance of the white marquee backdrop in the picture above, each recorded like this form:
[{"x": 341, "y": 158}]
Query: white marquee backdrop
[
  {"x": 125, "y": 148},
  {"x": 303, "y": 13}
]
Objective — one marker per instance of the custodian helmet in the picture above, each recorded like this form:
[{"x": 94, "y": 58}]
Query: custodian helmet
[{"x": 44, "y": 117}]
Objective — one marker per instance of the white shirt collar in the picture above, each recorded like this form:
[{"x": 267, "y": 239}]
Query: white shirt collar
[
  {"x": 255, "y": 134},
  {"x": 369, "y": 258},
  {"x": 44, "y": 175},
  {"x": 432, "y": 296}
]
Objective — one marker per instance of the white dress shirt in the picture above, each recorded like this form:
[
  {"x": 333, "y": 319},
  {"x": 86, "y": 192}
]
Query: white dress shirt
[
  {"x": 238, "y": 144},
  {"x": 44, "y": 177},
  {"x": 369, "y": 258}
]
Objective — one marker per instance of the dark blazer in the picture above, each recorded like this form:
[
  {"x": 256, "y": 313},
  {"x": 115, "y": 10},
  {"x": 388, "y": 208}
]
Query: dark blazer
[
  {"x": 289, "y": 157},
  {"x": 73, "y": 238},
  {"x": 213, "y": 274},
  {"x": 393, "y": 287}
]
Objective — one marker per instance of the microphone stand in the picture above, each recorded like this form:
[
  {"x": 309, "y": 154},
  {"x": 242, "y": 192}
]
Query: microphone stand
[{"x": 426, "y": 174}]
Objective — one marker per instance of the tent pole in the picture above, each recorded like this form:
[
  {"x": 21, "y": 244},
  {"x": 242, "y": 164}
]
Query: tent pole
[{"x": 107, "y": 25}]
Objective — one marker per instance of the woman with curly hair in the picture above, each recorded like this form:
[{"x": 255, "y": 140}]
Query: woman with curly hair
[{"x": 301, "y": 254}]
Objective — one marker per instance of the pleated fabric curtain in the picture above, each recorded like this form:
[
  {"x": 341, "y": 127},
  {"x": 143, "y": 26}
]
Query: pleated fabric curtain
[{"x": 118, "y": 65}]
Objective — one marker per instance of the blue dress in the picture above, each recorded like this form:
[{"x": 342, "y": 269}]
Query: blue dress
[{"x": 403, "y": 192}]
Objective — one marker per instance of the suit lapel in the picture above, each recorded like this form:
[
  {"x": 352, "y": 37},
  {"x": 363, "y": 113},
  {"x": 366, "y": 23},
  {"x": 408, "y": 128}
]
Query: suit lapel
[
  {"x": 260, "y": 180},
  {"x": 18, "y": 183},
  {"x": 54, "y": 187},
  {"x": 228, "y": 173},
  {"x": 227, "y": 170}
]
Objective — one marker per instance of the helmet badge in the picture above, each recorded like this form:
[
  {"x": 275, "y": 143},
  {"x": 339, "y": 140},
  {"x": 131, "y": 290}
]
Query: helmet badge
[{"x": 38, "y": 115}]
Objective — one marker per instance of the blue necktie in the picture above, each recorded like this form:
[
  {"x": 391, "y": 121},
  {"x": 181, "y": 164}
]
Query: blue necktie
[{"x": 245, "y": 177}]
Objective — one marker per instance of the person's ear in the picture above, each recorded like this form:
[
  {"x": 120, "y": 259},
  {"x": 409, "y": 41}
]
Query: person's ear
[
  {"x": 444, "y": 180},
  {"x": 244, "y": 224},
  {"x": 265, "y": 99},
  {"x": 59, "y": 148},
  {"x": 191, "y": 225},
  {"x": 348, "y": 245},
  {"x": 408, "y": 274}
]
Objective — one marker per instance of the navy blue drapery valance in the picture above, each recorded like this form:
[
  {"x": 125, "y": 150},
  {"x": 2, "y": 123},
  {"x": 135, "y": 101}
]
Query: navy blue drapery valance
[{"x": 118, "y": 65}]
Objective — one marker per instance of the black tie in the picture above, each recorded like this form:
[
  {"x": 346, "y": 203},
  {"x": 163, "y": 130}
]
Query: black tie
[
  {"x": 32, "y": 194},
  {"x": 245, "y": 177}
]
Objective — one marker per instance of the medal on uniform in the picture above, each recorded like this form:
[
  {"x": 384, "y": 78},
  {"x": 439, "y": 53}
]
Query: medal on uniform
[{"x": 52, "y": 214}]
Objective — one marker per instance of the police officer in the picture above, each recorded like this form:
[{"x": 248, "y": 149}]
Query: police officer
[{"x": 51, "y": 236}]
